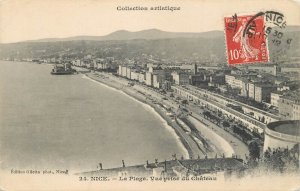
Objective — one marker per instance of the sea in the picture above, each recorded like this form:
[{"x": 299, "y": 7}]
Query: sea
[{"x": 69, "y": 122}]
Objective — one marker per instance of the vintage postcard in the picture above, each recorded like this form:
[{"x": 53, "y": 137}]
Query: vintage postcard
[{"x": 149, "y": 95}]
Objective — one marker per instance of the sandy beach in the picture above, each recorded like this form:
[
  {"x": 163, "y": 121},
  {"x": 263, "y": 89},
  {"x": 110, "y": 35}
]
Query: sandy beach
[
  {"x": 119, "y": 84},
  {"x": 197, "y": 142}
]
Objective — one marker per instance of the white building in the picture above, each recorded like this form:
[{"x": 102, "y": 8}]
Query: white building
[
  {"x": 251, "y": 90},
  {"x": 134, "y": 75},
  {"x": 124, "y": 71},
  {"x": 244, "y": 90},
  {"x": 149, "y": 79},
  {"x": 76, "y": 62},
  {"x": 120, "y": 70},
  {"x": 234, "y": 82},
  {"x": 262, "y": 92},
  {"x": 296, "y": 111},
  {"x": 128, "y": 72},
  {"x": 142, "y": 77},
  {"x": 229, "y": 79},
  {"x": 275, "y": 98}
]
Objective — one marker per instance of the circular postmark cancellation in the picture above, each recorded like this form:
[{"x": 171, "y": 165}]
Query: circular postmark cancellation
[{"x": 248, "y": 37}]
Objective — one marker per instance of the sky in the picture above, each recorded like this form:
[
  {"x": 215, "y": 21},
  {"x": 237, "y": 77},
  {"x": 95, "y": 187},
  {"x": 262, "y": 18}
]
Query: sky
[{"x": 22, "y": 20}]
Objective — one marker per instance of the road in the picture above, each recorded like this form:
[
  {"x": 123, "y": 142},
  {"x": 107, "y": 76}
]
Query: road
[
  {"x": 239, "y": 147},
  {"x": 221, "y": 145}
]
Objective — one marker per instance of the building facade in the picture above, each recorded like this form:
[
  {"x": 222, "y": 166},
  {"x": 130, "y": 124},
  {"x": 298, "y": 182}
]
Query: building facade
[
  {"x": 149, "y": 79},
  {"x": 262, "y": 92},
  {"x": 275, "y": 96},
  {"x": 180, "y": 78}
]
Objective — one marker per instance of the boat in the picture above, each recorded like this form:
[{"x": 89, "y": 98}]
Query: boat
[{"x": 62, "y": 69}]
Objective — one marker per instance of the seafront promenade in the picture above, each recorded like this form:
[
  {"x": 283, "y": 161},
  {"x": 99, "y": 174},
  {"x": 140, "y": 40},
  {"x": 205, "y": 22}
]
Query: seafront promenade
[
  {"x": 238, "y": 146},
  {"x": 221, "y": 142}
]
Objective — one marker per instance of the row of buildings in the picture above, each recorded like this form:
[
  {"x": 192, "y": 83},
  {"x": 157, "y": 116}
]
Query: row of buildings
[
  {"x": 269, "y": 86},
  {"x": 275, "y": 90},
  {"x": 155, "y": 76},
  {"x": 288, "y": 104},
  {"x": 96, "y": 64},
  {"x": 163, "y": 77}
]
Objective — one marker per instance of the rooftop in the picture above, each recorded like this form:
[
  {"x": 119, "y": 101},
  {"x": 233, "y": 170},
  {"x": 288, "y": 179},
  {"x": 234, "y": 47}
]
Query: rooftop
[
  {"x": 265, "y": 85},
  {"x": 292, "y": 95}
]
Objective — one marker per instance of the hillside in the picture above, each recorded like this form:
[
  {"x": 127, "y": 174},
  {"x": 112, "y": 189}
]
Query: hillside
[{"x": 161, "y": 45}]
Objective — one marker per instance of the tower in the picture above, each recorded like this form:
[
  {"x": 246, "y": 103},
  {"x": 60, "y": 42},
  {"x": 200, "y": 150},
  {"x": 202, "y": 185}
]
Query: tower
[
  {"x": 195, "y": 69},
  {"x": 276, "y": 70}
]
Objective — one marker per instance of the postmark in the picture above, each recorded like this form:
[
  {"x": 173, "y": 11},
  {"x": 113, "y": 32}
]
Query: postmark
[{"x": 275, "y": 32}]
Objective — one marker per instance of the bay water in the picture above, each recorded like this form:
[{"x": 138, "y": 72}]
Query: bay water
[{"x": 68, "y": 122}]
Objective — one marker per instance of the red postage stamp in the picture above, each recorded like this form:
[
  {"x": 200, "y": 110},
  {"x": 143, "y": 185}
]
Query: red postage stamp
[{"x": 245, "y": 39}]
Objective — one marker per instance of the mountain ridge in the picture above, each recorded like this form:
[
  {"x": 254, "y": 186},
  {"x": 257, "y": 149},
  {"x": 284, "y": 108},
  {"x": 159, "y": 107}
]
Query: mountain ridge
[{"x": 148, "y": 34}]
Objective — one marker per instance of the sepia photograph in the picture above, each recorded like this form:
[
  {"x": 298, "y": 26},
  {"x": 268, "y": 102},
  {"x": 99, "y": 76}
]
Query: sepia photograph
[{"x": 150, "y": 95}]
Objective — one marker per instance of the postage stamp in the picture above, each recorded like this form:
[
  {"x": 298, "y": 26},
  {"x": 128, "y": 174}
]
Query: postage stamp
[{"x": 246, "y": 39}]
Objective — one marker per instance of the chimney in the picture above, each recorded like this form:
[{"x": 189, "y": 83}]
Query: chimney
[
  {"x": 165, "y": 166},
  {"x": 100, "y": 166},
  {"x": 123, "y": 163}
]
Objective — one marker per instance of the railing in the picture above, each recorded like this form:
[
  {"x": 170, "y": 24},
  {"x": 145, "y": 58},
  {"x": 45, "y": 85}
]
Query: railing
[
  {"x": 291, "y": 138},
  {"x": 240, "y": 103},
  {"x": 232, "y": 111}
]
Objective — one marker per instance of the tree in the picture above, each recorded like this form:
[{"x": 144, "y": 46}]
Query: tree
[
  {"x": 254, "y": 150},
  {"x": 184, "y": 102},
  {"x": 206, "y": 114},
  {"x": 226, "y": 124}
]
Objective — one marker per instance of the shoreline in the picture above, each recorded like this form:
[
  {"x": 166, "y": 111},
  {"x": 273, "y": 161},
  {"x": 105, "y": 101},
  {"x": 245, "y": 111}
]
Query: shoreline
[
  {"x": 194, "y": 142},
  {"x": 142, "y": 99}
]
